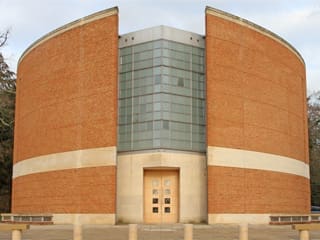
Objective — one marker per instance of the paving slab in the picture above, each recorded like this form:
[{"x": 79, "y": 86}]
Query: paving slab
[{"x": 161, "y": 232}]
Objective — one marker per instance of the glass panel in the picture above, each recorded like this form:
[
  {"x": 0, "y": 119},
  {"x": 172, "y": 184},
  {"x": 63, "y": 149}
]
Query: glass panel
[
  {"x": 156, "y": 61},
  {"x": 167, "y": 209},
  {"x": 157, "y": 53},
  {"x": 181, "y": 82},
  {"x": 157, "y": 125},
  {"x": 125, "y": 51},
  {"x": 162, "y": 97},
  {"x": 167, "y": 182},
  {"x": 155, "y": 200},
  {"x": 156, "y": 143},
  {"x": 155, "y": 191},
  {"x": 155, "y": 210},
  {"x": 167, "y": 200},
  {"x": 155, "y": 183},
  {"x": 157, "y": 44},
  {"x": 165, "y": 124},
  {"x": 143, "y": 47},
  {"x": 157, "y": 79},
  {"x": 167, "y": 192}
]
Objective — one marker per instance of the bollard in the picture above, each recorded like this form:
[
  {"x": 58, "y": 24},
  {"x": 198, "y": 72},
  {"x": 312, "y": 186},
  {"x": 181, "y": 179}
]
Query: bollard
[
  {"x": 188, "y": 232},
  {"x": 243, "y": 234},
  {"x": 133, "y": 231},
  {"x": 16, "y": 234},
  {"x": 304, "y": 234},
  {"x": 77, "y": 231}
]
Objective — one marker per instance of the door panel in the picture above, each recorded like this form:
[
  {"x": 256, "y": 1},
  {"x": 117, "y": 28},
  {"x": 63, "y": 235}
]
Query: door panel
[{"x": 161, "y": 196}]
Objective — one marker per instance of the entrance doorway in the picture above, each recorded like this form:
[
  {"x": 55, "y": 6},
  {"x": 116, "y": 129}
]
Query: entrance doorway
[{"x": 161, "y": 196}]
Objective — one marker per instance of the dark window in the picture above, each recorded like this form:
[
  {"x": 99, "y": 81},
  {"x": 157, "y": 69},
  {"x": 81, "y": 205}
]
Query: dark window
[
  {"x": 165, "y": 124},
  {"x": 180, "y": 82}
]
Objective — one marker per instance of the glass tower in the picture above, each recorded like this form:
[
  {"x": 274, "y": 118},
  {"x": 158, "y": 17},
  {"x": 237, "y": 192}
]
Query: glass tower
[{"x": 161, "y": 97}]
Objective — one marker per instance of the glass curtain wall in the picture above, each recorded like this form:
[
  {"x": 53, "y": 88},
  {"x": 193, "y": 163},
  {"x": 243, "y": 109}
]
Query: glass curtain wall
[{"x": 161, "y": 97}]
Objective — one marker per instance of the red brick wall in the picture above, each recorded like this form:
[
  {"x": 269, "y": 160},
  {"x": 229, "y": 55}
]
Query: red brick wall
[
  {"x": 67, "y": 100},
  {"x": 255, "y": 92},
  {"x": 84, "y": 190},
  {"x": 238, "y": 190},
  {"x": 255, "y": 101},
  {"x": 67, "y": 92}
]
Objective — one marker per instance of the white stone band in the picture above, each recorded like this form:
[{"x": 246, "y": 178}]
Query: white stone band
[
  {"x": 95, "y": 157},
  {"x": 228, "y": 157}
]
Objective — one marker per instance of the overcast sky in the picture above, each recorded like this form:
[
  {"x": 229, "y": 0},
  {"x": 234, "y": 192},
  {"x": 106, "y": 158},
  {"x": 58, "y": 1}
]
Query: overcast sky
[{"x": 297, "y": 21}]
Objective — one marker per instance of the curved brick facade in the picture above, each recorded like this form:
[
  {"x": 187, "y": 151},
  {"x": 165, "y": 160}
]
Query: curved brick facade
[
  {"x": 87, "y": 190},
  {"x": 247, "y": 191},
  {"x": 64, "y": 81},
  {"x": 256, "y": 101}
]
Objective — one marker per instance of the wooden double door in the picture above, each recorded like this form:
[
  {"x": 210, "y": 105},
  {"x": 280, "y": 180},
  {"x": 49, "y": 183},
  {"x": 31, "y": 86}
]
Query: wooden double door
[{"x": 161, "y": 196}]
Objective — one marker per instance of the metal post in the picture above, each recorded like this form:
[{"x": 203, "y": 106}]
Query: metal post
[
  {"x": 16, "y": 234},
  {"x": 133, "y": 232},
  {"x": 243, "y": 233},
  {"x": 304, "y": 234},
  {"x": 188, "y": 232}
]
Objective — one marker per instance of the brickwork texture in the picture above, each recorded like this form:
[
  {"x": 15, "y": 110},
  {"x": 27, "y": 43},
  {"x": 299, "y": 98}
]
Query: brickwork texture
[
  {"x": 67, "y": 92},
  {"x": 84, "y": 190},
  {"x": 67, "y": 100},
  {"x": 255, "y": 101}
]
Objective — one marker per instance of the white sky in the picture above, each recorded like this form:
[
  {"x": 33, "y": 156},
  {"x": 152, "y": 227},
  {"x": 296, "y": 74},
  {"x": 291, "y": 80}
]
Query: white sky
[{"x": 297, "y": 21}]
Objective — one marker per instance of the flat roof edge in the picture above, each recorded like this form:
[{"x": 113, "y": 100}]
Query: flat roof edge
[
  {"x": 161, "y": 32},
  {"x": 254, "y": 26},
  {"x": 68, "y": 26}
]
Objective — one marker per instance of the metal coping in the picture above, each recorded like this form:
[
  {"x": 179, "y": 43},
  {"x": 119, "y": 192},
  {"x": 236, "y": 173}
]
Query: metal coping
[
  {"x": 251, "y": 25},
  {"x": 68, "y": 26},
  {"x": 114, "y": 10}
]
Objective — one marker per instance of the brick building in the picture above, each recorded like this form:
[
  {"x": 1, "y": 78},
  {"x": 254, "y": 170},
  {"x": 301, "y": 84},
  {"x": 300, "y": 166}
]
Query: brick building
[{"x": 161, "y": 125}]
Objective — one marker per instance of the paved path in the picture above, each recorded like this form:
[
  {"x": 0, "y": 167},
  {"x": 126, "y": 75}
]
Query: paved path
[{"x": 161, "y": 232}]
